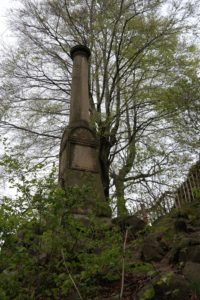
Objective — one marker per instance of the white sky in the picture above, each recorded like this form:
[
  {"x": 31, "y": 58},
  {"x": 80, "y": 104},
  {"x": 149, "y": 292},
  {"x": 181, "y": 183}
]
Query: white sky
[
  {"x": 5, "y": 34},
  {"x": 4, "y": 4},
  {"x": 5, "y": 37}
]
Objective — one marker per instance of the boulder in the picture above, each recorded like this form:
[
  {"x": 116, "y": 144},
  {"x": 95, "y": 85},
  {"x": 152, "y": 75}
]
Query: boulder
[
  {"x": 187, "y": 249},
  {"x": 132, "y": 222},
  {"x": 168, "y": 286},
  {"x": 192, "y": 272},
  {"x": 191, "y": 253},
  {"x": 171, "y": 286},
  {"x": 180, "y": 225},
  {"x": 153, "y": 248}
]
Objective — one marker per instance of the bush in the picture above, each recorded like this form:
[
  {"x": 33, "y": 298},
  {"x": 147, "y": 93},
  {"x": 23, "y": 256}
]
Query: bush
[{"x": 47, "y": 253}]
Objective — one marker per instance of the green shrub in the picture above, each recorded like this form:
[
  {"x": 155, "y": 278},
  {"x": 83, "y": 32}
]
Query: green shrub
[{"x": 46, "y": 249}]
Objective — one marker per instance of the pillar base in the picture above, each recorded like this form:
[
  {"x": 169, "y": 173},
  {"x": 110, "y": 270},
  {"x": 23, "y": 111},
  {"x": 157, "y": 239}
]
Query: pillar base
[{"x": 79, "y": 167}]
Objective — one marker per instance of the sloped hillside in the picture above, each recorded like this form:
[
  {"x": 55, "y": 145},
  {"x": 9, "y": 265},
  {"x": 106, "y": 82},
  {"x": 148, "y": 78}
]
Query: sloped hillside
[
  {"x": 57, "y": 256},
  {"x": 163, "y": 261}
]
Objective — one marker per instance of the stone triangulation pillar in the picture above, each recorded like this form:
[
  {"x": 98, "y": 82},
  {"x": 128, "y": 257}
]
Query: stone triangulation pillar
[{"x": 79, "y": 162}]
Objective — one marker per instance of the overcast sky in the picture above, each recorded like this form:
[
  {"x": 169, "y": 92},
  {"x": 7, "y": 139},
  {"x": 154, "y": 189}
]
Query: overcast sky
[
  {"x": 5, "y": 37},
  {"x": 4, "y": 6}
]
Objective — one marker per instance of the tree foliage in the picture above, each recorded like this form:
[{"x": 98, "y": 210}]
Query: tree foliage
[
  {"x": 46, "y": 252},
  {"x": 143, "y": 85}
]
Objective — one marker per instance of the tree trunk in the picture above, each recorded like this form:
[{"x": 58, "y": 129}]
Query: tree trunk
[
  {"x": 121, "y": 205},
  {"x": 104, "y": 153}
]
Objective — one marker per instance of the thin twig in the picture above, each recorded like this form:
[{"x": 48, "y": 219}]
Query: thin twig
[
  {"x": 123, "y": 265},
  {"x": 70, "y": 276}
]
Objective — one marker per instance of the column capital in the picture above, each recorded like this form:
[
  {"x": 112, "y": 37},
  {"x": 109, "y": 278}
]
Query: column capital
[{"x": 80, "y": 49}]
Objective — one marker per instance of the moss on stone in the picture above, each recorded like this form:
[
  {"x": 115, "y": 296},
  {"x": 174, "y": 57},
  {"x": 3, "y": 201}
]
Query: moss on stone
[{"x": 148, "y": 293}]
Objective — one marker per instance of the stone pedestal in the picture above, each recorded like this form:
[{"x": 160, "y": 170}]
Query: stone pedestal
[{"x": 79, "y": 160}]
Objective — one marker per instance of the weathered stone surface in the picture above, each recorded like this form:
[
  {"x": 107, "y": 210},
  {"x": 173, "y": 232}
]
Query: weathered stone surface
[
  {"x": 154, "y": 248},
  {"x": 191, "y": 253},
  {"x": 171, "y": 287},
  {"x": 192, "y": 272},
  {"x": 180, "y": 225},
  {"x": 79, "y": 104},
  {"x": 79, "y": 157},
  {"x": 187, "y": 249},
  {"x": 83, "y": 158},
  {"x": 132, "y": 222},
  {"x": 147, "y": 292},
  {"x": 167, "y": 286}
]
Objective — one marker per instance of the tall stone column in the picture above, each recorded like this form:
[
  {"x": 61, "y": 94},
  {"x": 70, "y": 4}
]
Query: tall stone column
[
  {"x": 79, "y": 159},
  {"x": 79, "y": 104}
]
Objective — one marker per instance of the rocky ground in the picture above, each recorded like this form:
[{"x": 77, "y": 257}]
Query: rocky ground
[
  {"x": 162, "y": 261},
  {"x": 93, "y": 260}
]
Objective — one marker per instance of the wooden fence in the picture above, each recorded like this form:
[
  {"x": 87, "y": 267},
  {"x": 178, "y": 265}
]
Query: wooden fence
[
  {"x": 190, "y": 188},
  {"x": 188, "y": 191}
]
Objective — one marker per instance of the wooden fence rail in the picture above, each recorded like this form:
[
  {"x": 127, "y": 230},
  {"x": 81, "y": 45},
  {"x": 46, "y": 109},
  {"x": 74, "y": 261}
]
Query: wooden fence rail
[{"x": 188, "y": 191}]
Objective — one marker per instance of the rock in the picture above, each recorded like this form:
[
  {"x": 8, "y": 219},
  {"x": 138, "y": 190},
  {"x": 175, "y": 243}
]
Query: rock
[
  {"x": 132, "y": 222},
  {"x": 153, "y": 248},
  {"x": 191, "y": 253},
  {"x": 173, "y": 256},
  {"x": 191, "y": 229},
  {"x": 180, "y": 225},
  {"x": 192, "y": 272},
  {"x": 187, "y": 249},
  {"x": 195, "y": 237},
  {"x": 147, "y": 292},
  {"x": 168, "y": 286},
  {"x": 171, "y": 286}
]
